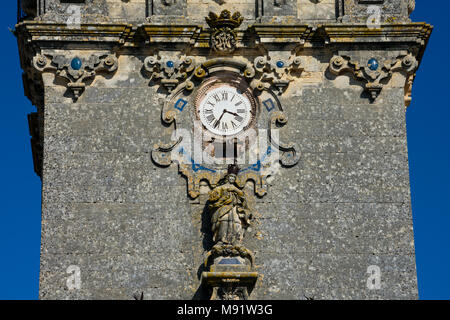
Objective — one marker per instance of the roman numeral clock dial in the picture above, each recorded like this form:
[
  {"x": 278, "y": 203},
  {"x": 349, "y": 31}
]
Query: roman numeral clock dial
[{"x": 225, "y": 111}]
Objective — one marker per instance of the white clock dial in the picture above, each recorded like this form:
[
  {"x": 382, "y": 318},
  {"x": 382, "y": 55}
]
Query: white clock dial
[{"x": 225, "y": 111}]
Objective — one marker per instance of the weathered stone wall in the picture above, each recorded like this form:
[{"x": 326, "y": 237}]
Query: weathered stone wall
[
  {"x": 130, "y": 226},
  {"x": 106, "y": 207},
  {"x": 139, "y": 11},
  {"x": 392, "y": 11},
  {"x": 346, "y": 206}
]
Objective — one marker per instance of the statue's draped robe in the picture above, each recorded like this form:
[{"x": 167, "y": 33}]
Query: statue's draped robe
[{"x": 226, "y": 222}]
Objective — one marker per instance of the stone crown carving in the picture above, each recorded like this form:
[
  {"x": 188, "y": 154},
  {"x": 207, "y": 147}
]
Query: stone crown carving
[
  {"x": 223, "y": 37},
  {"x": 225, "y": 19}
]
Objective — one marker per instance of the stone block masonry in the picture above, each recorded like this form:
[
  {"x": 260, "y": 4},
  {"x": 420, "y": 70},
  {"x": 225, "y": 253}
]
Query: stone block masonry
[{"x": 132, "y": 223}]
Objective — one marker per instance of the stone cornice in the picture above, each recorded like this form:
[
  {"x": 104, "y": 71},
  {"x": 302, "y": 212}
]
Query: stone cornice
[
  {"x": 36, "y": 31},
  {"x": 170, "y": 33},
  {"x": 281, "y": 34},
  {"x": 414, "y": 36},
  {"x": 36, "y": 36},
  {"x": 196, "y": 35},
  {"x": 408, "y": 32}
]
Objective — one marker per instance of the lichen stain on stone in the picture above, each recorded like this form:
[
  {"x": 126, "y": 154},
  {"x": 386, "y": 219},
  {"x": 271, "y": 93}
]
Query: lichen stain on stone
[{"x": 259, "y": 236}]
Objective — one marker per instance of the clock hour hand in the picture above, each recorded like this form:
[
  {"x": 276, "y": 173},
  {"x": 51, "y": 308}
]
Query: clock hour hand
[{"x": 233, "y": 113}]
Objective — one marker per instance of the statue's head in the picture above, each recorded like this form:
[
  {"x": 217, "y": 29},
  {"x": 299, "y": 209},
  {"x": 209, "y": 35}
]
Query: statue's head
[
  {"x": 233, "y": 171},
  {"x": 231, "y": 178}
]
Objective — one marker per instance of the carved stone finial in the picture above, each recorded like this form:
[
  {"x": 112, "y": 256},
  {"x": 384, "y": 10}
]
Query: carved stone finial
[{"x": 223, "y": 36}]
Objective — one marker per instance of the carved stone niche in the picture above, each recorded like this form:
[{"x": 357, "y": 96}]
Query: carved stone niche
[
  {"x": 166, "y": 8},
  {"x": 361, "y": 10},
  {"x": 281, "y": 8}
]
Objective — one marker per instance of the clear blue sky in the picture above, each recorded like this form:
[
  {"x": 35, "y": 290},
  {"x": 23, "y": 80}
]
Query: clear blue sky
[{"x": 428, "y": 141}]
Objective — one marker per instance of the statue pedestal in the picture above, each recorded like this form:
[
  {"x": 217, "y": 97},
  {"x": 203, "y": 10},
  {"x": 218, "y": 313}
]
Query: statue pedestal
[{"x": 230, "y": 279}]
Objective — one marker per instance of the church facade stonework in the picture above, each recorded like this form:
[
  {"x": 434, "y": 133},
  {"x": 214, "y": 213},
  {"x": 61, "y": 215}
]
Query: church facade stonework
[{"x": 233, "y": 149}]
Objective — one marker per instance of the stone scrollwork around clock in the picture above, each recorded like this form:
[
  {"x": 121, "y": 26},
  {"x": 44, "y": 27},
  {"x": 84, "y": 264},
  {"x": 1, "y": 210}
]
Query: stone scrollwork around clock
[
  {"x": 374, "y": 73},
  {"x": 189, "y": 78},
  {"x": 75, "y": 70}
]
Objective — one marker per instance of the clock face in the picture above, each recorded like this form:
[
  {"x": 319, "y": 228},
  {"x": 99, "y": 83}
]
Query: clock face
[{"x": 225, "y": 111}]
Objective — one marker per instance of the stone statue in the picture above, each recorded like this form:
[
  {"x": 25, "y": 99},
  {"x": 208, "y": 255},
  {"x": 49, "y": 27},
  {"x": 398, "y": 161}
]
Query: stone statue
[
  {"x": 231, "y": 274},
  {"x": 230, "y": 212}
]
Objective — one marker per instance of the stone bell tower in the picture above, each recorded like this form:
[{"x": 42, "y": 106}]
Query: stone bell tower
[{"x": 233, "y": 149}]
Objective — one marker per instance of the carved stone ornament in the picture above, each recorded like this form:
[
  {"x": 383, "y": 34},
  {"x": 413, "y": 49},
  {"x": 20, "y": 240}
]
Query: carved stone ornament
[
  {"x": 408, "y": 89},
  {"x": 223, "y": 37},
  {"x": 229, "y": 209},
  {"x": 76, "y": 71},
  {"x": 190, "y": 145},
  {"x": 170, "y": 72},
  {"x": 374, "y": 76},
  {"x": 230, "y": 264},
  {"x": 277, "y": 72}
]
